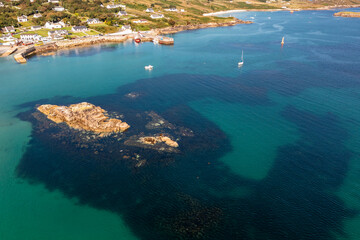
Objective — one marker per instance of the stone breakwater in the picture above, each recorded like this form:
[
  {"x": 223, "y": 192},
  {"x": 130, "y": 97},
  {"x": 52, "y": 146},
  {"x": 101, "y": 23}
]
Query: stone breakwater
[
  {"x": 347, "y": 14},
  {"x": 84, "y": 116},
  {"x": 171, "y": 30},
  {"x": 90, "y": 41}
]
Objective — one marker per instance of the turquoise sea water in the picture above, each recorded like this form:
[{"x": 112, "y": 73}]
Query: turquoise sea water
[{"x": 284, "y": 129}]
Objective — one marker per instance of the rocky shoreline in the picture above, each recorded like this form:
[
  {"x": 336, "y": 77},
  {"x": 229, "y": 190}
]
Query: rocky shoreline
[
  {"x": 175, "y": 29},
  {"x": 347, "y": 14}
]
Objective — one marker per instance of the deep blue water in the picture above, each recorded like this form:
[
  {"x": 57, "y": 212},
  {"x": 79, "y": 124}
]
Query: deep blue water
[{"x": 274, "y": 152}]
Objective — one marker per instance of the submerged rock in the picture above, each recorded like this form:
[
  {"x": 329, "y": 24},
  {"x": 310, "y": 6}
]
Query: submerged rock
[{"x": 84, "y": 116}]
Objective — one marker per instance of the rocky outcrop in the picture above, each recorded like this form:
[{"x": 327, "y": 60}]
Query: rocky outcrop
[
  {"x": 84, "y": 116},
  {"x": 176, "y": 29},
  {"x": 159, "y": 139},
  {"x": 347, "y": 14}
]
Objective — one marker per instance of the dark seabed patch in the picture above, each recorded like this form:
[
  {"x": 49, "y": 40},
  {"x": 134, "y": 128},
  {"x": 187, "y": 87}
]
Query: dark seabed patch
[{"x": 186, "y": 194}]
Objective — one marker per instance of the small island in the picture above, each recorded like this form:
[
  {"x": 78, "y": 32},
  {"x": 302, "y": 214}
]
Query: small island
[
  {"x": 84, "y": 116},
  {"x": 347, "y": 14}
]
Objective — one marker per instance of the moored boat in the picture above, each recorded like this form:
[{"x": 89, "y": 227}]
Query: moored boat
[
  {"x": 241, "y": 63},
  {"x": 149, "y": 67},
  {"x": 166, "y": 41}
]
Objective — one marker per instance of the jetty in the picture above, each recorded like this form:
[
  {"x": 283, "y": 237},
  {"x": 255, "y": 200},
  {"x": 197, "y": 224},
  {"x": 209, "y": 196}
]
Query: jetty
[
  {"x": 9, "y": 51},
  {"x": 21, "y": 56}
]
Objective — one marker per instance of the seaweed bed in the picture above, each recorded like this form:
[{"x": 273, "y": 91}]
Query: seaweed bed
[{"x": 187, "y": 192}]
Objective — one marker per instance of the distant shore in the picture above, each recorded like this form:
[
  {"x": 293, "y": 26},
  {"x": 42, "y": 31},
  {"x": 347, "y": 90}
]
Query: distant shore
[{"x": 281, "y": 9}]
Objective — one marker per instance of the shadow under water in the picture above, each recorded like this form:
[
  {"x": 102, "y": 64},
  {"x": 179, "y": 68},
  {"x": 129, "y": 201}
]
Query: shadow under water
[{"x": 188, "y": 193}]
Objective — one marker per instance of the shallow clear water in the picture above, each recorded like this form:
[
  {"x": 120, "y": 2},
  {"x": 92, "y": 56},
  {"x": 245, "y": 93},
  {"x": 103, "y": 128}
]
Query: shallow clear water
[{"x": 288, "y": 124}]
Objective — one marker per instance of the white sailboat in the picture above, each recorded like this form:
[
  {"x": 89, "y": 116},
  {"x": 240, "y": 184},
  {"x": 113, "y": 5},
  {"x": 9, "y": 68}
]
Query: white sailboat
[
  {"x": 240, "y": 64},
  {"x": 282, "y": 41}
]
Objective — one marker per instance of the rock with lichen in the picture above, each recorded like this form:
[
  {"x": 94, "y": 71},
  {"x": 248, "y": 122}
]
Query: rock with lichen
[{"x": 84, "y": 116}]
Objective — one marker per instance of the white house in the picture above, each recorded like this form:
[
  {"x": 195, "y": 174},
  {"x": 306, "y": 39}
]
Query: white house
[
  {"x": 8, "y": 37},
  {"x": 22, "y": 18},
  {"x": 34, "y": 28},
  {"x": 149, "y": 10},
  {"x": 93, "y": 21},
  {"x": 37, "y": 15},
  {"x": 53, "y": 1},
  {"x": 30, "y": 37},
  {"x": 122, "y": 13},
  {"x": 156, "y": 16},
  {"x": 112, "y": 6},
  {"x": 182, "y": 10},
  {"x": 58, "y": 8},
  {"x": 58, "y": 32},
  {"x": 140, "y": 21},
  {"x": 79, "y": 28},
  {"x": 2, "y": 4},
  {"x": 125, "y": 27},
  {"x": 171, "y": 10},
  {"x": 9, "y": 29},
  {"x": 50, "y": 25}
]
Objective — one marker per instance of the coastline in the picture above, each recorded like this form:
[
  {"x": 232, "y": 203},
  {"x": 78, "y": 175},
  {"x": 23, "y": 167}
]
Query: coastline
[{"x": 21, "y": 52}]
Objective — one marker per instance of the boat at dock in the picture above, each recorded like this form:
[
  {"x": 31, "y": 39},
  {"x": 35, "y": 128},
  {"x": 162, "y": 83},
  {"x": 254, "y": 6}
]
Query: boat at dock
[
  {"x": 166, "y": 41},
  {"x": 240, "y": 64}
]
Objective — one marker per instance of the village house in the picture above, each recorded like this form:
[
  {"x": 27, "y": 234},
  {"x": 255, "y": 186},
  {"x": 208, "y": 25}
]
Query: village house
[
  {"x": 6, "y": 38},
  {"x": 37, "y": 15},
  {"x": 53, "y": 1},
  {"x": 112, "y": 6},
  {"x": 9, "y": 29},
  {"x": 58, "y": 34},
  {"x": 171, "y": 9},
  {"x": 125, "y": 27},
  {"x": 93, "y": 21},
  {"x": 149, "y": 10},
  {"x": 22, "y": 18},
  {"x": 50, "y": 25},
  {"x": 156, "y": 16},
  {"x": 35, "y": 28},
  {"x": 79, "y": 29},
  {"x": 30, "y": 37},
  {"x": 2, "y": 4},
  {"x": 121, "y": 13},
  {"x": 58, "y": 9},
  {"x": 140, "y": 21}
]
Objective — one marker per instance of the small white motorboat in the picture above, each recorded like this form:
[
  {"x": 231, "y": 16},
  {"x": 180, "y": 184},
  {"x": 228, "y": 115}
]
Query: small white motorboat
[
  {"x": 241, "y": 63},
  {"x": 149, "y": 67}
]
